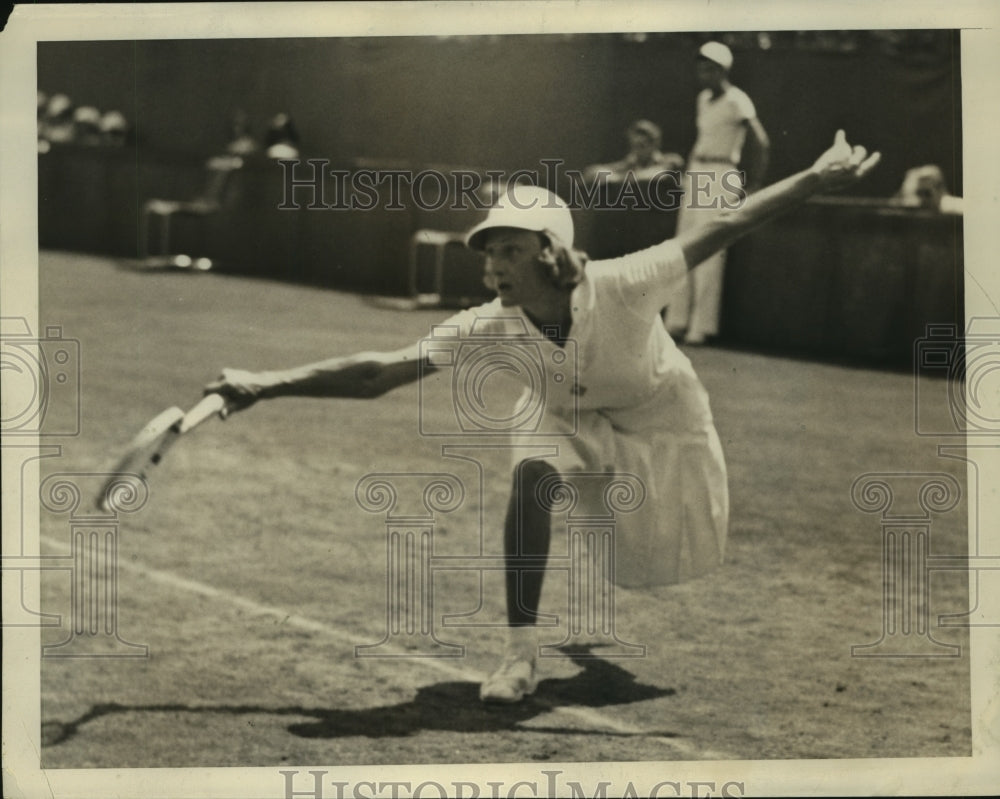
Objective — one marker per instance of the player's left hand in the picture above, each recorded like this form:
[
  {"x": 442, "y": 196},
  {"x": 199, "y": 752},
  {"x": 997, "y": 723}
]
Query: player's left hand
[{"x": 843, "y": 165}]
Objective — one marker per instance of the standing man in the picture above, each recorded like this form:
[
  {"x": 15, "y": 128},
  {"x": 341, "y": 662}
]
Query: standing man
[{"x": 730, "y": 138}]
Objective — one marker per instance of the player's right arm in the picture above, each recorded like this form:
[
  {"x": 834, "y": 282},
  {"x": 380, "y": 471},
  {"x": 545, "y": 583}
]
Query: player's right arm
[
  {"x": 363, "y": 375},
  {"x": 839, "y": 167}
]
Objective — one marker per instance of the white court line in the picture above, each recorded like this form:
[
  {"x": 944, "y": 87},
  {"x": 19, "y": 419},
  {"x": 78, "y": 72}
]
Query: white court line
[{"x": 593, "y": 719}]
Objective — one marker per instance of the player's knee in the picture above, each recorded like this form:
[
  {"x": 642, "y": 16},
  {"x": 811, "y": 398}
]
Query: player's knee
[
  {"x": 530, "y": 473},
  {"x": 528, "y": 477}
]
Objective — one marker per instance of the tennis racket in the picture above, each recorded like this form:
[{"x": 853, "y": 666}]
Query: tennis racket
[{"x": 151, "y": 444}]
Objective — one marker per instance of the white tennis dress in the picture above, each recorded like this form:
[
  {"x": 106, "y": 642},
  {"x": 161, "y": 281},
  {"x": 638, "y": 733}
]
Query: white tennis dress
[{"x": 621, "y": 397}]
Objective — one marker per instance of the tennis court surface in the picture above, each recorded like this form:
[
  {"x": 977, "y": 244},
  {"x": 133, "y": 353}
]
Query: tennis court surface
[{"x": 252, "y": 571}]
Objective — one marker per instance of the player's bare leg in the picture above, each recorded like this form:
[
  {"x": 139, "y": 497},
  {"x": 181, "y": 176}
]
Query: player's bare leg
[{"x": 527, "y": 535}]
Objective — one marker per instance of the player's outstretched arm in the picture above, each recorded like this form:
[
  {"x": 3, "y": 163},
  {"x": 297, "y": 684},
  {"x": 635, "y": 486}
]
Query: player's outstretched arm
[
  {"x": 361, "y": 376},
  {"x": 839, "y": 167}
]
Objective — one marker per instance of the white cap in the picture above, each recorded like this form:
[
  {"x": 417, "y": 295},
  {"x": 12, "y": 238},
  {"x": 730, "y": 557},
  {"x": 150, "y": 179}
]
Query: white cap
[
  {"x": 526, "y": 208},
  {"x": 58, "y": 104},
  {"x": 87, "y": 115},
  {"x": 717, "y": 52},
  {"x": 113, "y": 121}
]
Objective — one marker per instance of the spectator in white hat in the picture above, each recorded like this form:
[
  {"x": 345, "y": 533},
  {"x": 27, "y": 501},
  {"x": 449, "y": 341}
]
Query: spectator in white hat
[
  {"x": 114, "y": 128},
  {"x": 729, "y": 155},
  {"x": 87, "y": 125},
  {"x": 56, "y": 124},
  {"x": 281, "y": 139}
]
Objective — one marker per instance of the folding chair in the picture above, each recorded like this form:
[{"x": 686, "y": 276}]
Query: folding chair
[{"x": 219, "y": 171}]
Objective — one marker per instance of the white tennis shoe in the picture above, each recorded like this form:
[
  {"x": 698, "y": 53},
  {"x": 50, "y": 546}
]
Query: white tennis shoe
[{"x": 510, "y": 683}]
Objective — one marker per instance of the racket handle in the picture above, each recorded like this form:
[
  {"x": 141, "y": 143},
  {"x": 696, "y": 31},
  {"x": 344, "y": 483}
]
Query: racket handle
[{"x": 207, "y": 407}]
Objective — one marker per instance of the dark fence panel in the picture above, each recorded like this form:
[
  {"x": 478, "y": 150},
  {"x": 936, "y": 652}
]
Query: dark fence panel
[
  {"x": 837, "y": 277},
  {"x": 845, "y": 277}
]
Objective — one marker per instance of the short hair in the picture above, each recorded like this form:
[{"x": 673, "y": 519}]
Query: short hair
[
  {"x": 563, "y": 265},
  {"x": 646, "y": 128},
  {"x": 923, "y": 186}
]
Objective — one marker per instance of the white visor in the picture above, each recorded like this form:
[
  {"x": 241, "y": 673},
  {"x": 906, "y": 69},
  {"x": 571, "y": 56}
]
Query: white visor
[{"x": 526, "y": 208}]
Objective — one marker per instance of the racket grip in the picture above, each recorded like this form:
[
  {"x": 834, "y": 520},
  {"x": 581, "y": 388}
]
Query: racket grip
[{"x": 207, "y": 407}]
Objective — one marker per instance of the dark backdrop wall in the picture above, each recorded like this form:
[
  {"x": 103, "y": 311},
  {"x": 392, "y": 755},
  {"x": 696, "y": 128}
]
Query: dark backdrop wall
[
  {"x": 507, "y": 101},
  {"x": 848, "y": 278}
]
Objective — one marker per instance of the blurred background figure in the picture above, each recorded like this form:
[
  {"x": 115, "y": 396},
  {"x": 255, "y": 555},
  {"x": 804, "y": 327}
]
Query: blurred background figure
[
  {"x": 281, "y": 139},
  {"x": 242, "y": 141},
  {"x": 644, "y": 159},
  {"x": 925, "y": 187},
  {"x": 87, "y": 126},
  {"x": 43, "y": 101},
  {"x": 57, "y": 121},
  {"x": 730, "y": 137},
  {"x": 114, "y": 129}
]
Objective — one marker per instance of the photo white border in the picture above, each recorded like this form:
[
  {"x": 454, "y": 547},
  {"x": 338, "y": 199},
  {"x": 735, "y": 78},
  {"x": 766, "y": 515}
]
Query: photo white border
[{"x": 980, "y": 20}]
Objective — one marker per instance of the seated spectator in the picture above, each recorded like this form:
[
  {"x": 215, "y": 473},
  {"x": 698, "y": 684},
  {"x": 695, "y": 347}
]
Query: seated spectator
[
  {"x": 43, "y": 102},
  {"x": 57, "y": 122},
  {"x": 644, "y": 159},
  {"x": 87, "y": 126},
  {"x": 924, "y": 187},
  {"x": 242, "y": 141},
  {"x": 114, "y": 129},
  {"x": 282, "y": 139}
]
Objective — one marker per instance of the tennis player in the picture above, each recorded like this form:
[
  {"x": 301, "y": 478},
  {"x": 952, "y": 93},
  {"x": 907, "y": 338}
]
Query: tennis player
[{"x": 641, "y": 410}]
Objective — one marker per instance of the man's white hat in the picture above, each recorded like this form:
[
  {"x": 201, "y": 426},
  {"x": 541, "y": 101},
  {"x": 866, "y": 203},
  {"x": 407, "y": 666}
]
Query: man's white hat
[
  {"x": 717, "y": 52},
  {"x": 526, "y": 208}
]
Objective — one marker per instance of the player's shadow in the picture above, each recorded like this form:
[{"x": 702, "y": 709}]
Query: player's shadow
[
  {"x": 446, "y": 706},
  {"x": 455, "y": 706}
]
